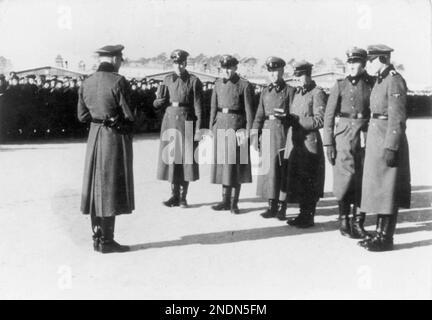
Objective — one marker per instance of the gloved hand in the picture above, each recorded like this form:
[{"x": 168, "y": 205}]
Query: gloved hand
[
  {"x": 112, "y": 122},
  {"x": 162, "y": 98},
  {"x": 331, "y": 154},
  {"x": 391, "y": 157},
  {"x": 290, "y": 119}
]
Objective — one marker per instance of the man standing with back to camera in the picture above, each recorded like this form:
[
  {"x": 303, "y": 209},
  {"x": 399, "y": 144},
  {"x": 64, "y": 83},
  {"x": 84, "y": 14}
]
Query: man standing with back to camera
[{"x": 108, "y": 188}]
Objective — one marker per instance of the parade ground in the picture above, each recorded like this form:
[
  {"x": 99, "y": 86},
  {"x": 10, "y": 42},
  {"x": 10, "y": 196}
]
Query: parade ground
[{"x": 196, "y": 253}]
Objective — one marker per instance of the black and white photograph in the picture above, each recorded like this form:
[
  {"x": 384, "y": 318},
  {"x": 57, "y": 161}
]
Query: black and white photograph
[{"x": 235, "y": 150}]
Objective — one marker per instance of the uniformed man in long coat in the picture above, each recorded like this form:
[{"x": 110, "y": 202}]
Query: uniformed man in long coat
[
  {"x": 275, "y": 97},
  {"x": 386, "y": 175},
  {"x": 108, "y": 187},
  {"x": 231, "y": 117},
  {"x": 181, "y": 95},
  {"x": 304, "y": 169},
  {"x": 345, "y": 125}
]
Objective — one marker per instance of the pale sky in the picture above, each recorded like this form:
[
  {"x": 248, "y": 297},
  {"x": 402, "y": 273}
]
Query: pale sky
[{"x": 32, "y": 32}]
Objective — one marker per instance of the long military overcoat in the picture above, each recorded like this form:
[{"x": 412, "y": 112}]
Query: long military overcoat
[
  {"x": 385, "y": 189},
  {"x": 349, "y": 103},
  {"x": 181, "y": 96},
  {"x": 235, "y": 94},
  {"x": 108, "y": 186},
  {"x": 272, "y": 138},
  {"x": 304, "y": 169}
]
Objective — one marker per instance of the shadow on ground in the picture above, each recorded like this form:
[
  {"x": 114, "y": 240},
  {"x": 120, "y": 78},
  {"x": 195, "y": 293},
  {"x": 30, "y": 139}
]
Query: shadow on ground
[{"x": 420, "y": 213}]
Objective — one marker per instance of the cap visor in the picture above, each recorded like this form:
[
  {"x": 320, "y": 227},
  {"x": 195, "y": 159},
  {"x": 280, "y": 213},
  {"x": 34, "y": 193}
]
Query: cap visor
[{"x": 356, "y": 59}]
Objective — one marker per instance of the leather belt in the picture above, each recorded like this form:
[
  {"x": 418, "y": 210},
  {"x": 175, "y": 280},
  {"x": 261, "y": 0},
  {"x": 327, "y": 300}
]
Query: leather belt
[
  {"x": 352, "y": 115},
  {"x": 379, "y": 116},
  {"x": 227, "y": 110},
  {"x": 179, "y": 104},
  {"x": 109, "y": 122}
]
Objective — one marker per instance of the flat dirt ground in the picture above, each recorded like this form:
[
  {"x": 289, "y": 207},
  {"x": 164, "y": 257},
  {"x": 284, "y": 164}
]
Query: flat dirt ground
[{"x": 196, "y": 253}]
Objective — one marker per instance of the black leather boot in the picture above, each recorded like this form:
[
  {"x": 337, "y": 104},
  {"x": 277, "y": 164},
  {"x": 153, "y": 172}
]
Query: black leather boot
[
  {"x": 306, "y": 217},
  {"x": 281, "y": 210},
  {"x": 107, "y": 244},
  {"x": 235, "y": 199},
  {"x": 379, "y": 227},
  {"x": 271, "y": 211},
  {"x": 294, "y": 221},
  {"x": 226, "y": 200},
  {"x": 344, "y": 221},
  {"x": 309, "y": 218},
  {"x": 174, "y": 201},
  {"x": 383, "y": 240},
  {"x": 357, "y": 225},
  {"x": 183, "y": 193}
]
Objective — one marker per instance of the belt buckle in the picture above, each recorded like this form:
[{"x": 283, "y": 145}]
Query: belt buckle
[
  {"x": 225, "y": 110},
  {"x": 175, "y": 104}
]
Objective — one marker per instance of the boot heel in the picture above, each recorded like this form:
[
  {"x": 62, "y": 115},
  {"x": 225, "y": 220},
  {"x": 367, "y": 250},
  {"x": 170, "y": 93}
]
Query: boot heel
[
  {"x": 226, "y": 200},
  {"x": 281, "y": 211},
  {"x": 383, "y": 241},
  {"x": 174, "y": 201},
  {"x": 271, "y": 211}
]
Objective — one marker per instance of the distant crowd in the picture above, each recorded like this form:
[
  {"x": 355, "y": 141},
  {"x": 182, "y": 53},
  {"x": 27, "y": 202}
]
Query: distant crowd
[{"x": 38, "y": 106}]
